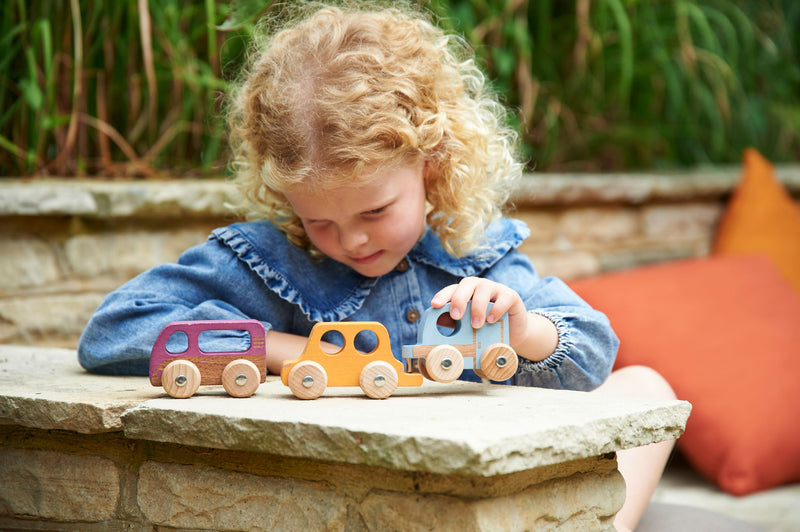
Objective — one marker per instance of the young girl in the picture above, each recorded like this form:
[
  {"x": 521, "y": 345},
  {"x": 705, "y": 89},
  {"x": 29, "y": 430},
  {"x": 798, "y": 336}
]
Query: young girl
[{"x": 377, "y": 163}]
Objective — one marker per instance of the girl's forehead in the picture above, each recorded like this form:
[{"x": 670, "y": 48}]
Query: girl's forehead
[
  {"x": 330, "y": 186},
  {"x": 371, "y": 176},
  {"x": 330, "y": 192},
  {"x": 335, "y": 203},
  {"x": 366, "y": 192}
]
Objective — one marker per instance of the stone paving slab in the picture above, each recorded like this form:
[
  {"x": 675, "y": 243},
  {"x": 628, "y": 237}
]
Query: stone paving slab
[
  {"x": 46, "y": 388},
  {"x": 458, "y": 428}
]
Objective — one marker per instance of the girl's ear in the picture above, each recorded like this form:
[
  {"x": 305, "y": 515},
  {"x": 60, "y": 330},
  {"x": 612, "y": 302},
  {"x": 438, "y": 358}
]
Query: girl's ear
[
  {"x": 428, "y": 178},
  {"x": 427, "y": 171}
]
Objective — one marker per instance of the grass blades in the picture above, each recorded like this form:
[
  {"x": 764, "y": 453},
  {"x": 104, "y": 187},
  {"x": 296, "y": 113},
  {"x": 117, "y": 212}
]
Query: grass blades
[
  {"x": 133, "y": 87},
  {"x": 623, "y": 84},
  {"x": 127, "y": 88}
]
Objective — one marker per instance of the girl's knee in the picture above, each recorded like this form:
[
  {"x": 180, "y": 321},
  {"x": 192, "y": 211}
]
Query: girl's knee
[{"x": 638, "y": 381}]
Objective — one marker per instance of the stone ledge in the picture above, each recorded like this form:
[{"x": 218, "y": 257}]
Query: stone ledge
[
  {"x": 45, "y": 388},
  {"x": 638, "y": 188},
  {"x": 111, "y": 199},
  {"x": 456, "y": 429},
  {"x": 212, "y": 197}
]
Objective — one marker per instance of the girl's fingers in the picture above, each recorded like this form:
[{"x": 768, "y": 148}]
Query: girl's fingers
[
  {"x": 502, "y": 304},
  {"x": 481, "y": 292},
  {"x": 462, "y": 294},
  {"x": 442, "y": 297},
  {"x": 455, "y": 294}
]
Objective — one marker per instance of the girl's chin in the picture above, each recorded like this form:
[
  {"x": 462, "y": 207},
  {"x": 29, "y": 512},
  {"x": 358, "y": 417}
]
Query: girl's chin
[{"x": 374, "y": 267}]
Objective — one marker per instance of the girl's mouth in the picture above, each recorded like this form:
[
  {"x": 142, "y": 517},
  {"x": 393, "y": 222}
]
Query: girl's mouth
[{"x": 367, "y": 259}]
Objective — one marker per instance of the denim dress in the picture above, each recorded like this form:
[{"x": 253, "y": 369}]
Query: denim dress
[{"x": 250, "y": 270}]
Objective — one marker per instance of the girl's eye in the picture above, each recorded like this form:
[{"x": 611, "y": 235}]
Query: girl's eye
[
  {"x": 316, "y": 223},
  {"x": 375, "y": 212}
]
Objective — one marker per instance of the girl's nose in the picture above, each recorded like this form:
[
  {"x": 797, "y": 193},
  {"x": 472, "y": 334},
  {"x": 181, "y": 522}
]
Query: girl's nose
[{"x": 352, "y": 239}]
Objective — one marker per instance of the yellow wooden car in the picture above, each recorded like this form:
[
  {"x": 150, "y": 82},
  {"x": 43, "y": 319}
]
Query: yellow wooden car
[{"x": 378, "y": 373}]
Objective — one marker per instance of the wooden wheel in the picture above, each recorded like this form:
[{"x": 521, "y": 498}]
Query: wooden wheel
[
  {"x": 499, "y": 362},
  {"x": 444, "y": 363},
  {"x": 378, "y": 379},
  {"x": 423, "y": 370},
  {"x": 180, "y": 379},
  {"x": 480, "y": 373},
  {"x": 307, "y": 380},
  {"x": 241, "y": 378}
]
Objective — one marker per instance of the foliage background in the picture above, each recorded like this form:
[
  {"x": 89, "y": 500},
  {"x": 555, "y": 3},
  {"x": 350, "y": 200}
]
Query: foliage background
[{"x": 132, "y": 87}]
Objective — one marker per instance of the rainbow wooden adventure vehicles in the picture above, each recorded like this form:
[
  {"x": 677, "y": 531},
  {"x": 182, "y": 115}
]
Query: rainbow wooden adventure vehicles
[{"x": 443, "y": 350}]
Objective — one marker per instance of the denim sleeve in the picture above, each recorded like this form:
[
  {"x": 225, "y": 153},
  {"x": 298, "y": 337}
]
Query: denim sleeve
[
  {"x": 119, "y": 336},
  {"x": 587, "y": 346}
]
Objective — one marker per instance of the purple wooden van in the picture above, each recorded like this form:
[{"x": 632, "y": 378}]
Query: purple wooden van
[{"x": 181, "y": 370}]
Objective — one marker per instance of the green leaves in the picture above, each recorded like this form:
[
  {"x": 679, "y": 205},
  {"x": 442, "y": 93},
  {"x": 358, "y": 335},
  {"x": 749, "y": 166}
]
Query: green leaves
[
  {"x": 615, "y": 84},
  {"x": 136, "y": 93},
  {"x": 590, "y": 84}
]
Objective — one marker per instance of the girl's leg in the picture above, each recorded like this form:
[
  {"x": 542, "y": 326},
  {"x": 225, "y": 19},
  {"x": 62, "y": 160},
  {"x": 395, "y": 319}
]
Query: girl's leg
[{"x": 641, "y": 467}]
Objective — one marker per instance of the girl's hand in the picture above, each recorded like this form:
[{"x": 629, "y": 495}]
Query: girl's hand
[
  {"x": 480, "y": 292},
  {"x": 533, "y": 336}
]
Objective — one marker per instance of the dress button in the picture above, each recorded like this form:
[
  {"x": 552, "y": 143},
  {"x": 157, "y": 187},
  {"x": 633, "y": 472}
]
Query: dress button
[
  {"x": 412, "y": 316},
  {"x": 402, "y": 266}
]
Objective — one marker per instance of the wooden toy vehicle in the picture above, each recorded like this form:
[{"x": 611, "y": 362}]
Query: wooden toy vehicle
[
  {"x": 378, "y": 373},
  {"x": 182, "y": 373},
  {"x": 445, "y": 348}
]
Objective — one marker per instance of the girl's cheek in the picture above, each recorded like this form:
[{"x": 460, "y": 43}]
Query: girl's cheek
[{"x": 320, "y": 237}]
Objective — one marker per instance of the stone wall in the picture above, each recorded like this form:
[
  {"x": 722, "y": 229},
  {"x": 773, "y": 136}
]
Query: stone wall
[
  {"x": 58, "y": 480},
  {"x": 93, "y": 452},
  {"x": 65, "y": 243}
]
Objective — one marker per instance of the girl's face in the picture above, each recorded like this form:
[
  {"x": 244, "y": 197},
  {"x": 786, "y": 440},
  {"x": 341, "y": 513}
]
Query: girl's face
[{"x": 370, "y": 227}]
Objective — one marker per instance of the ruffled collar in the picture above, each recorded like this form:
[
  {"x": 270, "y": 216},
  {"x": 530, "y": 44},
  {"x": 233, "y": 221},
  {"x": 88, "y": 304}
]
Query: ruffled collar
[{"x": 326, "y": 290}]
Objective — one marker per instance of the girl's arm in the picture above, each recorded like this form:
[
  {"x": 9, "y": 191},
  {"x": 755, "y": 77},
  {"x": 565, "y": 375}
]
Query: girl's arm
[
  {"x": 207, "y": 283},
  {"x": 581, "y": 353},
  {"x": 281, "y": 347}
]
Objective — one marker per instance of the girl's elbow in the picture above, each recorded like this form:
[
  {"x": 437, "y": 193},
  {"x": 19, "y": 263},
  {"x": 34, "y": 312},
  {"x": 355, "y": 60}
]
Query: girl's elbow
[{"x": 103, "y": 352}]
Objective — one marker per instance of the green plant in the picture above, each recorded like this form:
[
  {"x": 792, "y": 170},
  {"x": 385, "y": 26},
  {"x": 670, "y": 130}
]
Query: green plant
[
  {"x": 610, "y": 84},
  {"x": 134, "y": 87},
  {"x": 114, "y": 88}
]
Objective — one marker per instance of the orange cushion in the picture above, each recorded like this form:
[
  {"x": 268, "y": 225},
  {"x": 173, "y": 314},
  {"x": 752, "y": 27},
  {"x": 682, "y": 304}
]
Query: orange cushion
[
  {"x": 725, "y": 333},
  {"x": 762, "y": 218}
]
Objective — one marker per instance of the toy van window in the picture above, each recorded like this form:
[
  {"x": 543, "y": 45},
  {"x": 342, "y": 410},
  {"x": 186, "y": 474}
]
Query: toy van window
[
  {"x": 178, "y": 343},
  {"x": 332, "y": 342},
  {"x": 366, "y": 342},
  {"x": 223, "y": 341},
  {"x": 447, "y": 326}
]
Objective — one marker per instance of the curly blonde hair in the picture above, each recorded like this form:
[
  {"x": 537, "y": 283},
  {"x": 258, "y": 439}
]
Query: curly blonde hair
[{"x": 341, "y": 90}]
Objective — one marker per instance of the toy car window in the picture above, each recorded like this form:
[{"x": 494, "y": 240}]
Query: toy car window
[
  {"x": 332, "y": 342},
  {"x": 177, "y": 343},
  {"x": 223, "y": 341},
  {"x": 446, "y": 326},
  {"x": 366, "y": 342}
]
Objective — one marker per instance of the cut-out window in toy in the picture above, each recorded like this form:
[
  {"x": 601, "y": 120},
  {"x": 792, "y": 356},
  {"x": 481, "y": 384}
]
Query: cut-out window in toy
[
  {"x": 366, "y": 342},
  {"x": 332, "y": 342},
  {"x": 178, "y": 342},
  {"x": 447, "y": 326},
  {"x": 223, "y": 341}
]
